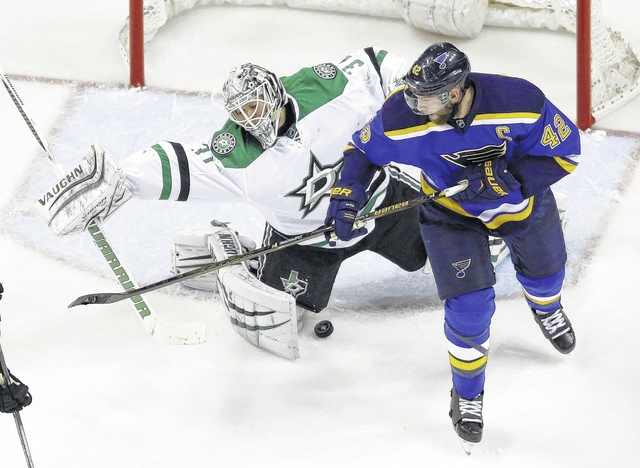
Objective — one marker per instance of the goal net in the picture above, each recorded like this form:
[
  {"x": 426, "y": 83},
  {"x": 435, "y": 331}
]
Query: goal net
[{"x": 613, "y": 64}]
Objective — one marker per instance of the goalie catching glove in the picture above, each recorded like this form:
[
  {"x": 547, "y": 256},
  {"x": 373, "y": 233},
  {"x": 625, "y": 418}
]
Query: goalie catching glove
[{"x": 93, "y": 190}]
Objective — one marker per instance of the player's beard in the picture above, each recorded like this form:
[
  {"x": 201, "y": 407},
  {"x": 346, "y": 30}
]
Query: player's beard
[{"x": 443, "y": 115}]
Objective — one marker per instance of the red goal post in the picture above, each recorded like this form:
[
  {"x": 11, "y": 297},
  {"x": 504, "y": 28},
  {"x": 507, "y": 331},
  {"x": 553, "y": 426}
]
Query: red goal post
[{"x": 608, "y": 68}]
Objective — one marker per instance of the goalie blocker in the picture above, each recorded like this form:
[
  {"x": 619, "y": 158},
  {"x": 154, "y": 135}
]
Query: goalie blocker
[{"x": 264, "y": 316}]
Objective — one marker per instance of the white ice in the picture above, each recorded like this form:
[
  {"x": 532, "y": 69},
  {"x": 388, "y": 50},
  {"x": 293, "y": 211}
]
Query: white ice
[{"x": 375, "y": 393}]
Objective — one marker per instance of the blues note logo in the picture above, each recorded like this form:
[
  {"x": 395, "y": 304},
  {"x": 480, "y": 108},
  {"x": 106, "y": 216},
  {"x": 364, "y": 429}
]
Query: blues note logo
[
  {"x": 441, "y": 60},
  {"x": 461, "y": 266}
]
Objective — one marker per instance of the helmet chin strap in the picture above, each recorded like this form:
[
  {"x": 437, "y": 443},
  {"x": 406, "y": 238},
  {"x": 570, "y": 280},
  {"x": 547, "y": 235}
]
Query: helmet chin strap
[
  {"x": 453, "y": 121},
  {"x": 454, "y": 110}
]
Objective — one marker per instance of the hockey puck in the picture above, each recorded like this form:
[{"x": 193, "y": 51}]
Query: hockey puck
[{"x": 323, "y": 328}]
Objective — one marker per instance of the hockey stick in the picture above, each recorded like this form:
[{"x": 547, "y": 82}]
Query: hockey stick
[
  {"x": 109, "y": 298},
  {"x": 173, "y": 333},
  {"x": 16, "y": 414}
]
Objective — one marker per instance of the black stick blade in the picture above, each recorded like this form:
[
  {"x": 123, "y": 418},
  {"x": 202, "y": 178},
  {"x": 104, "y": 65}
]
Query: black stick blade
[{"x": 99, "y": 298}]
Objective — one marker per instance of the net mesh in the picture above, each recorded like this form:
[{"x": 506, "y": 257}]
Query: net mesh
[{"x": 615, "y": 66}]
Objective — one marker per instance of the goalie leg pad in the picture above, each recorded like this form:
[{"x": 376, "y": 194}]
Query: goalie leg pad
[
  {"x": 498, "y": 249},
  {"x": 262, "y": 315},
  {"x": 191, "y": 250},
  {"x": 94, "y": 189},
  {"x": 562, "y": 202}
]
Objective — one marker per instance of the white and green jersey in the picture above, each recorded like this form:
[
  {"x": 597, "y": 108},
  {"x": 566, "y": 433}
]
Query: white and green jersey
[{"x": 288, "y": 183}]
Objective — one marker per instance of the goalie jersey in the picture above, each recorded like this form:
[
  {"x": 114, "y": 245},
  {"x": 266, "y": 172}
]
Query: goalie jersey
[
  {"x": 509, "y": 118},
  {"x": 289, "y": 182}
]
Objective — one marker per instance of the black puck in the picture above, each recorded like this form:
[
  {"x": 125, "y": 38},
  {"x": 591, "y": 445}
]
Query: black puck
[{"x": 323, "y": 328}]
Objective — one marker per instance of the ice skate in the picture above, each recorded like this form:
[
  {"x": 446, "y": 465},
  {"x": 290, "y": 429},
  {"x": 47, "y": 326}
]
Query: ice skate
[
  {"x": 556, "y": 327},
  {"x": 466, "y": 416}
]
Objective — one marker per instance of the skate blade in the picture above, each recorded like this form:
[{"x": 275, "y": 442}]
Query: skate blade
[{"x": 467, "y": 446}]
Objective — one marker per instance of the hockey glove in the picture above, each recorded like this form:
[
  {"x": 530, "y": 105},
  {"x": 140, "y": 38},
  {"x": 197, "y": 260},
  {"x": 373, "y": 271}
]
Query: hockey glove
[
  {"x": 95, "y": 189},
  {"x": 13, "y": 397},
  {"x": 347, "y": 199},
  {"x": 488, "y": 181}
]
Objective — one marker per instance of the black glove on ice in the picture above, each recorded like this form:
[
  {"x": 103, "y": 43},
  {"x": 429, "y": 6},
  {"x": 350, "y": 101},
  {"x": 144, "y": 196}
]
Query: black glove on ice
[{"x": 15, "y": 396}]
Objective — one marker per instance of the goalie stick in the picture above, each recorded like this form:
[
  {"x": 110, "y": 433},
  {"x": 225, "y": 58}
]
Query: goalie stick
[
  {"x": 109, "y": 298},
  {"x": 172, "y": 333},
  {"x": 16, "y": 414}
]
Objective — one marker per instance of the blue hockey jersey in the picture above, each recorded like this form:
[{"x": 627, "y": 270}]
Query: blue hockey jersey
[{"x": 509, "y": 118}]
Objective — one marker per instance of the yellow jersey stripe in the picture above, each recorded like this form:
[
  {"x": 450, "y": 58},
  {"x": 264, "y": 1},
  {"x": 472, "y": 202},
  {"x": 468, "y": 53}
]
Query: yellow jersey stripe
[
  {"x": 566, "y": 165},
  {"x": 480, "y": 119},
  {"x": 494, "y": 223}
]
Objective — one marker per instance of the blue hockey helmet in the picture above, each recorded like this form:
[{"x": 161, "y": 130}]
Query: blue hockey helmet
[{"x": 439, "y": 69}]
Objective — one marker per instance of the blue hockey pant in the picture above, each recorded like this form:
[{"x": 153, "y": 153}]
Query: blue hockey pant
[{"x": 458, "y": 251}]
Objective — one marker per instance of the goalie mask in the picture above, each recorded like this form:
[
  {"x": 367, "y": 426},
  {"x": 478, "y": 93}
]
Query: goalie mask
[
  {"x": 439, "y": 69},
  {"x": 253, "y": 98}
]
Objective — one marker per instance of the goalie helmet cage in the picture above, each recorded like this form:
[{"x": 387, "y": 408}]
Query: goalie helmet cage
[{"x": 607, "y": 68}]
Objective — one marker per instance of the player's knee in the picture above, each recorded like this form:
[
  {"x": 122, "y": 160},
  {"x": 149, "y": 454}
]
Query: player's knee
[{"x": 470, "y": 314}]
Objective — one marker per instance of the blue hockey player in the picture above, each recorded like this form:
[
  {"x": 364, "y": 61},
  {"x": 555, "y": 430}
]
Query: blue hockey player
[{"x": 511, "y": 143}]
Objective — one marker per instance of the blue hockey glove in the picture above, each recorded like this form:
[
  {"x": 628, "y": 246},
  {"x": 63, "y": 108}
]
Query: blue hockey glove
[
  {"x": 13, "y": 397},
  {"x": 347, "y": 199},
  {"x": 488, "y": 181}
]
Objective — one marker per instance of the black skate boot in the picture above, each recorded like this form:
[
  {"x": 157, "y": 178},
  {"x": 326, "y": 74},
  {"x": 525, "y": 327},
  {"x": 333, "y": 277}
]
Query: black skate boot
[
  {"x": 466, "y": 416},
  {"x": 556, "y": 327}
]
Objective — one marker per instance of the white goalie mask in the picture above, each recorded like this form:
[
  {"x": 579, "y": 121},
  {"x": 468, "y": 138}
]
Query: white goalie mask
[{"x": 253, "y": 98}]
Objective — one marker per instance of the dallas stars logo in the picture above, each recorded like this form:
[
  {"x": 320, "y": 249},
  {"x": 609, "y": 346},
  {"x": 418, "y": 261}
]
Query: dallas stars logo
[
  {"x": 326, "y": 71},
  {"x": 293, "y": 285},
  {"x": 223, "y": 143},
  {"x": 316, "y": 185}
]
